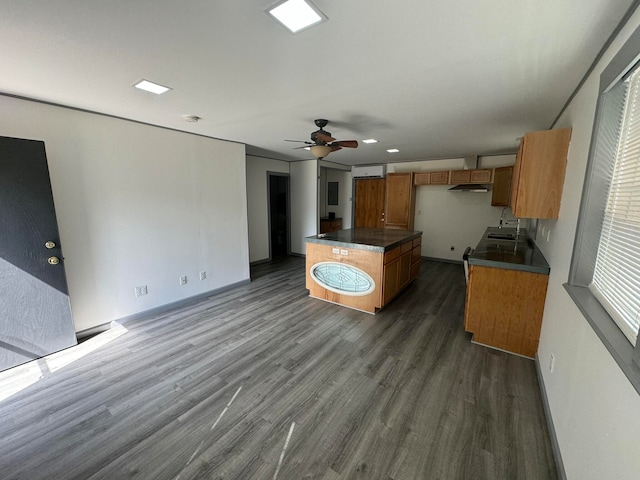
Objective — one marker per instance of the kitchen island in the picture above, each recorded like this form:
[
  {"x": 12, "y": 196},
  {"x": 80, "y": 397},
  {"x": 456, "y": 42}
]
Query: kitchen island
[
  {"x": 508, "y": 277},
  {"x": 362, "y": 268}
]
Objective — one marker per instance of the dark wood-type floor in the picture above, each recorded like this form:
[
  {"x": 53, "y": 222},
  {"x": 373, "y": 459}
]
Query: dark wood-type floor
[{"x": 263, "y": 382}]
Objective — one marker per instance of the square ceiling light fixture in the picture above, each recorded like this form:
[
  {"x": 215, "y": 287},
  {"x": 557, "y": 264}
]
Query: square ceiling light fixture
[
  {"x": 296, "y": 15},
  {"x": 148, "y": 86}
]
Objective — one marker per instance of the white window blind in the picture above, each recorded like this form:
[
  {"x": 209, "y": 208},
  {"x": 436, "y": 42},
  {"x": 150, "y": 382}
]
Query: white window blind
[{"x": 616, "y": 278}]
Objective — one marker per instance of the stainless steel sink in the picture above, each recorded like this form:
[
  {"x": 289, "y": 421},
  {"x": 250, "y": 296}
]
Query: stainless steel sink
[{"x": 501, "y": 236}]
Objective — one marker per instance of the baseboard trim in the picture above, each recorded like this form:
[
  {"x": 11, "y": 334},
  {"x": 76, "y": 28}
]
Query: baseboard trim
[
  {"x": 90, "y": 332},
  {"x": 443, "y": 260},
  {"x": 259, "y": 262},
  {"x": 161, "y": 309},
  {"x": 555, "y": 446}
]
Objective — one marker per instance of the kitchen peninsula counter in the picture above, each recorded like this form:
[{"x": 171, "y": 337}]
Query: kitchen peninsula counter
[
  {"x": 508, "y": 277},
  {"x": 362, "y": 268}
]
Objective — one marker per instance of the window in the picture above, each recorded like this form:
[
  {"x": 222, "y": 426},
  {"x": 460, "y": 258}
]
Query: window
[
  {"x": 616, "y": 276},
  {"x": 604, "y": 280}
]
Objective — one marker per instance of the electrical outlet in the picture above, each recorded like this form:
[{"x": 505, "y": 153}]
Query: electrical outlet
[
  {"x": 452, "y": 248},
  {"x": 203, "y": 275},
  {"x": 183, "y": 280},
  {"x": 141, "y": 290},
  {"x": 552, "y": 363}
]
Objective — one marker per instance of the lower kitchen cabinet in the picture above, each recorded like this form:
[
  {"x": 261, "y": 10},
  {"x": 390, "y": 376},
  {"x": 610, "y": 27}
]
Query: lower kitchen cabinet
[{"x": 504, "y": 308}]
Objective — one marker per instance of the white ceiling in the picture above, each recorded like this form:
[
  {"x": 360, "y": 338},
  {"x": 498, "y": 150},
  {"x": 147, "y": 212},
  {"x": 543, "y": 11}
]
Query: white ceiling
[{"x": 433, "y": 78}]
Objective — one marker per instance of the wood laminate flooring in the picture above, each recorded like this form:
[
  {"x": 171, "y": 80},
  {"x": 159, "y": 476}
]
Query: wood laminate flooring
[{"x": 263, "y": 382}]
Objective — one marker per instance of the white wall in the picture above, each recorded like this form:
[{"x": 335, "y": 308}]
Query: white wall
[
  {"x": 452, "y": 218},
  {"x": 137, "y": 205},
  {"x": 258, "y": 203},
  {"x": 304, "y": 203},
  {"x": 595, "y": 410}
]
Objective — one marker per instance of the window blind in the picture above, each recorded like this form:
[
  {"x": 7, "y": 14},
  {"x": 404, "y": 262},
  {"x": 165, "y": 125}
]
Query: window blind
[{"x": 616, "y": 278}]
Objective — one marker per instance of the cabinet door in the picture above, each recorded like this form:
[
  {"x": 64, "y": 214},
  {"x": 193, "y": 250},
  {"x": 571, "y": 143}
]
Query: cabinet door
[
  {"x": 501, "y": 187},
  {"x": 421, "y": 178},
  {"x": 400, "y": 201},
  {"x": 404, "y": 272},
  {"x": 390, "y": 286},
  {"x": 538, "y": 175},
  {"x": 439, "y": 178},
  {"x": 480, "y": 176},
  {"x": 460, "y": 176}
]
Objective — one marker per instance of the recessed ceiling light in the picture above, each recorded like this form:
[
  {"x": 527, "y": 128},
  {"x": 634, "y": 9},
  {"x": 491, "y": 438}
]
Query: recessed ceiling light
[
  {"x": 370, "y": 140},
  {"x": 393, "y": 150},
  {"x": 296, "y": 15},
  {"x": 151, "y": 87}
]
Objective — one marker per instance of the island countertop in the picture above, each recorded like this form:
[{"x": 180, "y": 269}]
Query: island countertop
[
  {"x": 371, "y": 239},
  {"x": 519, "y": 254}
]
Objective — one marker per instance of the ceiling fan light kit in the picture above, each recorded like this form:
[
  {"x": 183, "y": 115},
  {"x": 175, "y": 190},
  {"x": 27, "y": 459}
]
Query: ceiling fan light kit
[
  {"x": 320, "y": 151},
  {"x": 323, "y": 143}
]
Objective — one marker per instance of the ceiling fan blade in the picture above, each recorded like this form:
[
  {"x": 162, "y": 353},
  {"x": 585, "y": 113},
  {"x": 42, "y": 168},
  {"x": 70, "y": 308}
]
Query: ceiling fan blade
[
  {"x": 298, "y": 148},
  {"x": 324, "y": 138},
  {"x": 300, "y": 141},
  {"x": 346, "y": 143},
  {"x": 335, "y": 148}
]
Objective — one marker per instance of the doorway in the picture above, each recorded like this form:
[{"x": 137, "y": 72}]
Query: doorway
[
  {"x": 369, "y": 202},
  {"x": 279, "y": 214}
]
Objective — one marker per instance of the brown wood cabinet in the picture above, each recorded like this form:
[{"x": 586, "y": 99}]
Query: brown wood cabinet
[
  {"x": 481, "y": 176},
  {"x": 504, "y": 308},
  {"x": 470, "y": 176},
  {"x": 501, "y": 194},
  {"x": 330, "y": 225},
  {"x": 421, "y": 178},
  {"x": 538, "y": 175},
  {"x": 400, "y": 201},
  {"x": 401, "y": 266},
  {"x": 369, "y": 199},
  {"x": 391, "y": 272},
  {"x": 439, "y": 178}
]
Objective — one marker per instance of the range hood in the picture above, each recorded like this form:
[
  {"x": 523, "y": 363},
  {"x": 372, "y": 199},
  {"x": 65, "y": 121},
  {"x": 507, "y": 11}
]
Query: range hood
[
  {"x": 470, "y": 163},
  {"x": 471, "y": 187}
]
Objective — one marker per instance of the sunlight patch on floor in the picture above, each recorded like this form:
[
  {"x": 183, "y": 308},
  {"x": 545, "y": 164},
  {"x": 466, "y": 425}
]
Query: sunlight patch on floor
[{"x": 16, "y": 379}]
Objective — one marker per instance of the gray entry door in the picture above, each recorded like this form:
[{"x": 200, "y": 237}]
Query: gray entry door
[{"x": 35, "y": 315}]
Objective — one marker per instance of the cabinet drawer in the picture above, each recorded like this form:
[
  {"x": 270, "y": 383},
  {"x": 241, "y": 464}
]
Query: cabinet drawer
[
  {"x": 417, "y": 241},
  {"x": 391, "y": 255},
  {"x": 405, "y": 247}
]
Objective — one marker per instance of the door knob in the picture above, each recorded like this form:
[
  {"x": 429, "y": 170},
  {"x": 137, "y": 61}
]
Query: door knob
[
  {"x": 53, "y": 260},
  {"x": 50, "y": 244}
]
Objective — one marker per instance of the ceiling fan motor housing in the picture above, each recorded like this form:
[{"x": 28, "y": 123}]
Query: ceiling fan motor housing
[{"x": 314, "y": 136}]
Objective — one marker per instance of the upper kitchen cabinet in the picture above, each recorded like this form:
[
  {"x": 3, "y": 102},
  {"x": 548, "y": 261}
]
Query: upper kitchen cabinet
[
  {"x": 538, "y": 175},
  {"x": 501, "y": 187},
  {"x": 470, "y": 176},
  {"x": 400, "y": 201}
]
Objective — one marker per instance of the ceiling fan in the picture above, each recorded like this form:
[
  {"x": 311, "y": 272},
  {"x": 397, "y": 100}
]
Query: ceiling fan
[{"x": 322, "y": 143}]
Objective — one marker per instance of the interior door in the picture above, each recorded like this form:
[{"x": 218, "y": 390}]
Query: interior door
[
  {"x": 369, "y": 209},
  {"x": 35, "y": 315}
]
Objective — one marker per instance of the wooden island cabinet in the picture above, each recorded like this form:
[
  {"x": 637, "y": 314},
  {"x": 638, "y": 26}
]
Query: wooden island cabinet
[{"x": 362, "y": 268}]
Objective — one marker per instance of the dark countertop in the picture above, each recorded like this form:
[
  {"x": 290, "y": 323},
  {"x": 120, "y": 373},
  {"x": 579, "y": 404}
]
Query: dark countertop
[
  {"x": 520, "y": 254},
  {"x": 372, "y": 239}
]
